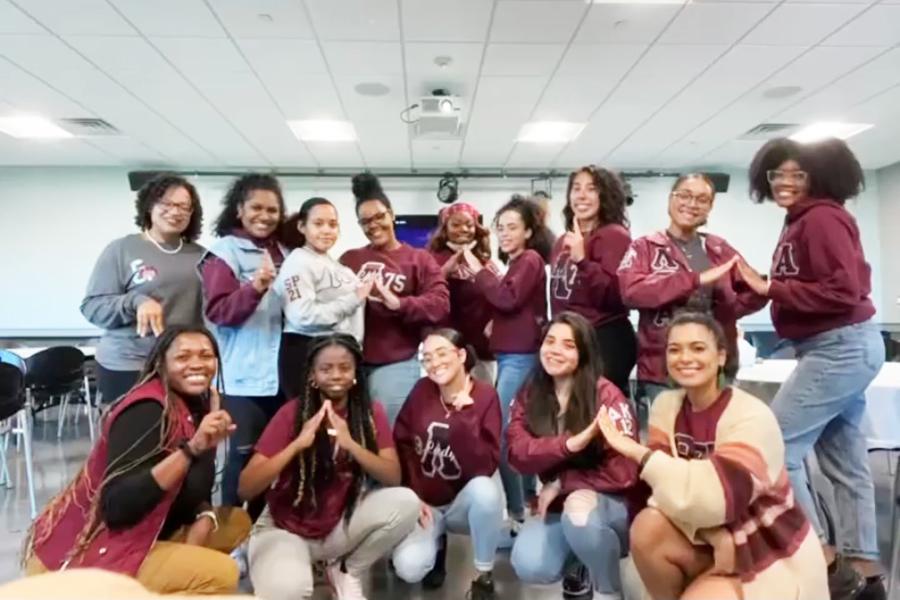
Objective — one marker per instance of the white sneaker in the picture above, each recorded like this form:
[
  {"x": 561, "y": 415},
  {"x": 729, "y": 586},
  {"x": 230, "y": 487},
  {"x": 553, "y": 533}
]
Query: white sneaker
[{"x": 344, "y": 585}]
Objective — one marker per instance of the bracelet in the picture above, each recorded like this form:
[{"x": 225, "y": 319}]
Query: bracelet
[
  {"x": 185, "y": 446},
  {"x": 644, "y": 459},
  {"x": 212, "y": 516}
]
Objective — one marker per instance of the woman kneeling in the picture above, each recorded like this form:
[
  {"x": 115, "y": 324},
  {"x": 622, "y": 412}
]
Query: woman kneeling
[
  {"x": 721, "y": 522},
  {"x": 316, "y": 454},
  {"x": 140, "y": 506}
]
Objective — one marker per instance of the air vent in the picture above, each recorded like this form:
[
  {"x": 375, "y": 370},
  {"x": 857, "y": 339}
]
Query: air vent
[
  {"x": 88, "y": 127},
  {"x": 767, "y": 131}
]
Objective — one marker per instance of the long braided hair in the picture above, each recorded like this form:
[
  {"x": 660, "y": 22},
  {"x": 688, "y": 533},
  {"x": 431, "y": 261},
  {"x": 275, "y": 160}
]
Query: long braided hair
[
  {"x": 316, "y": 463},
  {"x": 154, "y": 367}
]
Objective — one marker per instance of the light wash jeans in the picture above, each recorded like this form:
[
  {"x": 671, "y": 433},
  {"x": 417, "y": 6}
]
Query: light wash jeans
[
  {"x": 477, "y": 510},
  {"x": 512, "y": 372},
  {"x": 821, "y": 406},
  {"x": 598, "y": 538},
  {"x": 390, "y": 384}
]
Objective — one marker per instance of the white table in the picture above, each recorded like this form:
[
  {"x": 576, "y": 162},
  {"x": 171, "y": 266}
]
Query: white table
[
  {"x": 882, "y": 423},
  {"x": 29, "y": 351}
]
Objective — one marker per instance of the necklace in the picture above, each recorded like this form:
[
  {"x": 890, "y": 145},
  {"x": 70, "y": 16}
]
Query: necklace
[{"x": 163, "y": 250}]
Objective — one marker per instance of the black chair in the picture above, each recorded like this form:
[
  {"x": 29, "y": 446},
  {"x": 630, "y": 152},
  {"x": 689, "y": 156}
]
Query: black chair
[
  {"x": 13, "y": 405},
  {"x": 55, "y": 377}
]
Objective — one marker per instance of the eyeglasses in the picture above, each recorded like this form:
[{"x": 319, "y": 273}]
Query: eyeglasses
[
  {"x": 776, "y": 175},
  {"x": 171, "y": 207},
  {"x": 686, "y": 197},
  {"x": 377, "y": 217}
]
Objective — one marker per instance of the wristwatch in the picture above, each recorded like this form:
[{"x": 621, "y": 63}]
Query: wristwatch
[{"x": 185, "y": 447}]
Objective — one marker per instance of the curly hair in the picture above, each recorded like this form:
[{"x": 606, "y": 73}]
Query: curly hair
[
  {"x": 541, "y": 240},
  {"x": 154, "y": 190},
  {"x": 834, "y": 171},
  {"x": 366, "y": 187},
  {"x": 238, "y": 193},
  {"x": 438, "y": 240},
  {"x": 610, "y": 189}
]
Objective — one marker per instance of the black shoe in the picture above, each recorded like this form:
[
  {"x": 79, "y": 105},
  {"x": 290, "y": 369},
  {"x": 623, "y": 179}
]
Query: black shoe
[
  {"x": 874, "y": 589},
  {"x": 844, "y": 583},
  {"x": 435, "y": 577},
  {"x": 577, "y": 582},
  {"x": 482, "y": 588}
]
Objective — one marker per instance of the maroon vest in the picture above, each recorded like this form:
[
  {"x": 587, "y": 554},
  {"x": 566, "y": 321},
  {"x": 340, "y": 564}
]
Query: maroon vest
[{"x": 121, "y": 551}]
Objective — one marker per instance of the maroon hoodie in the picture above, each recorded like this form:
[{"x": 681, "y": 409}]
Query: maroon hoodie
[
  {"x": 441, "y": 449},
  {"x": 519, "y": 303},
  {"x": 412, "y": 274},
  {"x": 820, "y": 277},
  {"x": 590, "y": 287},
  {"x": 656, "y": 279},
  {"x": 469, "y": 310},
  {"x": 549, "y": 458}
]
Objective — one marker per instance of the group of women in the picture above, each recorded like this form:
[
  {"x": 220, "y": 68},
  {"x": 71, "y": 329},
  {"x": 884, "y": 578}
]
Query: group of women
[{"x": 346, "y": 454}]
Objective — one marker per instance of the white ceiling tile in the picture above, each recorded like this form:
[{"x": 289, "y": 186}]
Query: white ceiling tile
[
  {"x": 22, "y": 92},
  {"x": 127, "y": 150},
  {"x": 465, "y": 59},
  {"x": 195, "y": 56},
  {"x": 625, "y": 23},
  {"x": 878, "y": 26},
  {"x": 521, "y": 60},
  {"x": 71, "y": 152},
  {"x": 712, "y": 23},
  {"x": 600, "y": 60},
  {"x": 177, "y": 18},
  {"x": 532, "y": 156},
  {"x": 264, "y": 18},
  {"x": 439, "y": 20},
  {"x": 663, "y": 70},
  {"x": 538, "y": 21},
  {"x": 13, "y": 20},
  {"x": 336, "y": 154},
  {"x": 436, "y": 153},
  {"x": 371, "y": 59},
  {"x": 114, "y": 54},
  {"x": 781, "y": 28},
  {"x": 283, "y": 56},
  {"x": 310, "y": 96},
  {"x": 383, "y": 137},
  {"x": 367, "y": 20},
  {"x": 42, "y": 52},
  {"x": 77, "y": 17}
]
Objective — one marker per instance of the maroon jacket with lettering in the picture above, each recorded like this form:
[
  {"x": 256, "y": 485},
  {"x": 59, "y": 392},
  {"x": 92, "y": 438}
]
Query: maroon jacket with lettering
[
  {"x": 441, "y": 450},
  {"x": 590, "y": 287},
  {"x": 519, "y": 303},
  {"x": 412, "y": 274},
  {"x": 656, "y": 279},
  {"x": 549, "y": 458},
  {"x": 820, "y": 277}
]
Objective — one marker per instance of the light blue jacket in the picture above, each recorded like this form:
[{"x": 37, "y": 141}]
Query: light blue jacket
[{"x": 250, "y": 350}]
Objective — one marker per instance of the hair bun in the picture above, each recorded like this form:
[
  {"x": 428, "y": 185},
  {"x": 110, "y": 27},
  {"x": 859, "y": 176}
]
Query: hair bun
[{"x": 366, "y": 186}]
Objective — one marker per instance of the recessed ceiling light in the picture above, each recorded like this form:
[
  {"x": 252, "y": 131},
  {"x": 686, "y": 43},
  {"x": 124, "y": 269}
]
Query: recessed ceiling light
[
  {"x": 443, "y": 61},
  {"x": 32, "y": 127},
  {"x": 828, "y": 129},
  {"x": 371, "y": 88},
  {"x": 549, "y": 132},
  {"x": 323, "y": 130}
]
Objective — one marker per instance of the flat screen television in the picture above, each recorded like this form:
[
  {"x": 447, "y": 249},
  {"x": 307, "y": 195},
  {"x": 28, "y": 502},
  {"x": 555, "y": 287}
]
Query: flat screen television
[{"x": 415, "y": 229}]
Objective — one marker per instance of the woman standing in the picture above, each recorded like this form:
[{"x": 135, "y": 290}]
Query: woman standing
[
  {"x": 314, "y": 458},
  {"x": 584, "y": 263},
  {"x": 588, "y": 487},
  {"x": 141, "y": 504},
  {"x": 518, "y": 313},
  {"x": 448, "y": 439},
  {"x": 237, "y": 273},
  {"x": 820, "y": 287},
  {"x": 460, "y": 229},
  {"x": 680, "y": 268},
  {"x": 409, "y": 294},
  {"x": 721, "y": 523},
  {"x": 146, "y": 281}
]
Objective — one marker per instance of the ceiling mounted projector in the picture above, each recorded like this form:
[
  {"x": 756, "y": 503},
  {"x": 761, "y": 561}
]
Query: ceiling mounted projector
[{"x": 439, "y": 116}]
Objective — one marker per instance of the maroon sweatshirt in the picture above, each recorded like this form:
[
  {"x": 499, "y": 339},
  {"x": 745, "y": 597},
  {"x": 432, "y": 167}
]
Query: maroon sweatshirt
[
  {"x": 820, "y": 277},
  {"x": 590, "y": 287},
  {"x": 549, "y": 458},
  {"x": 442, "y": 449},
  {"x": 656, "y": 279},
  {"x": 469, "y": 310},
  {"x": 412, "y": 274},
  {"x": 519, "y": 303}
]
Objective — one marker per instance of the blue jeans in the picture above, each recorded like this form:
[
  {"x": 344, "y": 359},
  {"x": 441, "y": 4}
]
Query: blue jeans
[
  {"x": 476, "y": 510},
  {"x": 512, "y": 372},
  {"x": 821, "y": 407},
  {"x": 390, "y": 384},
  {"x": 592, "y": 526}
]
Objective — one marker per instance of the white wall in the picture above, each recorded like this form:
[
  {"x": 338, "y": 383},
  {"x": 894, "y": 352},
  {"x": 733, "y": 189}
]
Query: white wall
[
  {"x": 56, "y": 221},
  {"x": 888, "y": 182}
]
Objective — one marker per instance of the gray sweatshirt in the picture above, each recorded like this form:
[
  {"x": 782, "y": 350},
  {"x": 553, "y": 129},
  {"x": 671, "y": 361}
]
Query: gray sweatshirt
[{"x": 129, "y": 271}]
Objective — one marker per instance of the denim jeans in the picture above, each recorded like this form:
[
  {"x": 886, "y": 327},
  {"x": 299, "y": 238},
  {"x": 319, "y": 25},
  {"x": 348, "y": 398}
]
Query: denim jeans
[
  {"x": 821, "y": 406},
  {"x": 477, "y": 510},
  {"x": 598, "y": 537},
  {"x": 512, "y": 372},
  {"x": 390, "y": 384}
]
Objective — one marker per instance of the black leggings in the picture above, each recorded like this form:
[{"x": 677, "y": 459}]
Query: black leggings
[
  {"x": 292, "y": 363},
  {"x": 113, "y": 384},
  {"x": 618, "y": 350}
]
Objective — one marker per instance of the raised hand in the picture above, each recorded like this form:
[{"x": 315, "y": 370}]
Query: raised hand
[
  {"x": 389, "y": 298},
  {"x": 618, "y": 440},
  {"x": 463, "y": 398},
  {"x": 150, "y": 318},
  {"x": 364, "y": 289},
  {"x": 715, "y": 273},
  {"x": 307, "y": 434},
  {"x": 265, "y": 274},
  {"x": 472, "y": 261},
  {"x": 575, "y": 242},
  {"x": 753, "y": 279},
  {"x": 215, "y": 427},
  {"x": 339, "y": 426}
]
